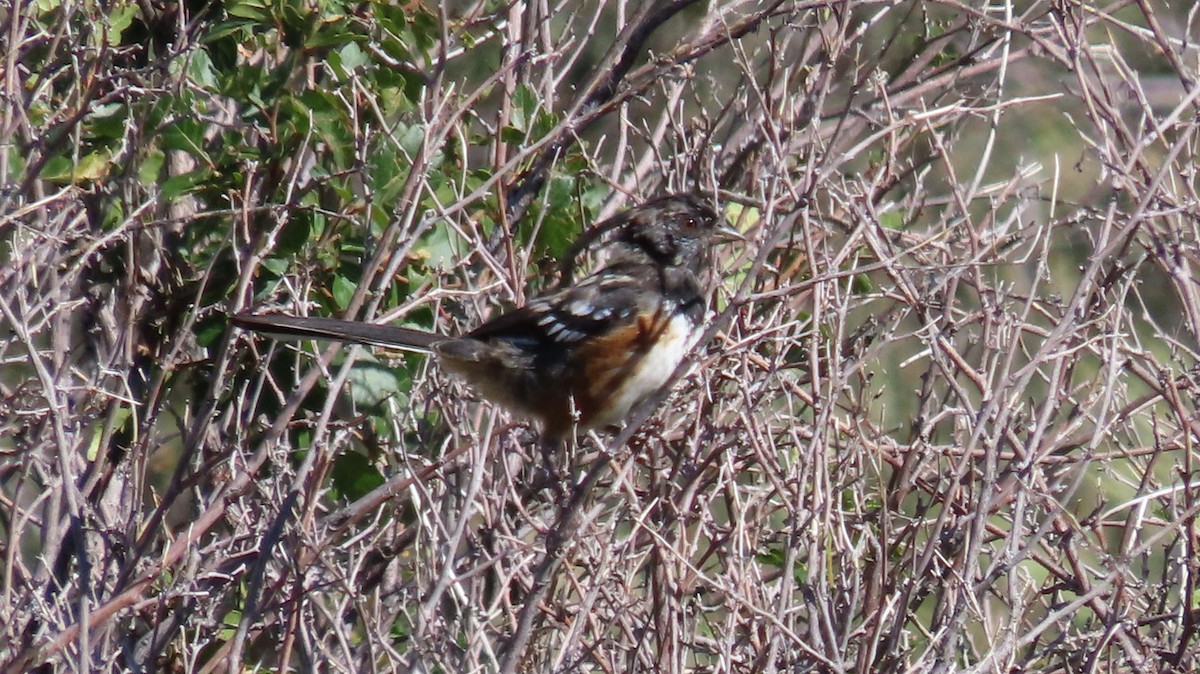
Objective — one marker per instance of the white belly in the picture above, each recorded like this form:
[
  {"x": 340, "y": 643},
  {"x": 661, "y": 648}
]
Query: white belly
[{"x": 656, "y": 368}]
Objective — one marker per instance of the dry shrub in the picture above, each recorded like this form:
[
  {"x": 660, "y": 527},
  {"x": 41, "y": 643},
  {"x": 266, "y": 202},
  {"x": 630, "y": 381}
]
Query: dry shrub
[{"x": 943, "y": 419}]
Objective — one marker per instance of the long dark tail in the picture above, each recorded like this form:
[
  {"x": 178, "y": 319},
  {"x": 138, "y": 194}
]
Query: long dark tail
[{"x": 333, "y": 329}]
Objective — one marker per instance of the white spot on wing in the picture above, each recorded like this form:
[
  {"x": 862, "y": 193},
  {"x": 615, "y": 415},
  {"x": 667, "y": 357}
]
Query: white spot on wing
[
  {"x": 581, "y": 308},
  {"x": 611, "y": 281}
]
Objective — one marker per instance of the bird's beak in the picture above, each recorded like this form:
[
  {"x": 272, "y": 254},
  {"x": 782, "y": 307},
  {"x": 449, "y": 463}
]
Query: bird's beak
[{"x": 727, "y": 234}]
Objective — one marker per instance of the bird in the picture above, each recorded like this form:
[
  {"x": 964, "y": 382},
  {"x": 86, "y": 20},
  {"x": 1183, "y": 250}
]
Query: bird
[{"x": 585, "y": 354}]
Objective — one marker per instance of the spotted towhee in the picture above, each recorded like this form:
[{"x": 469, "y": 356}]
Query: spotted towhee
[{"x": 588, "y": 352}]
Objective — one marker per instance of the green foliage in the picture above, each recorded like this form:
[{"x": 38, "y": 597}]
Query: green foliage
[
  {"x": 287, "y": 128},
  {"x": 354, "y": 476}
]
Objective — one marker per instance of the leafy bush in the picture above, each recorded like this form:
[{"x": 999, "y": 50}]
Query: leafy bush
[{"x": 943, "y": 419}]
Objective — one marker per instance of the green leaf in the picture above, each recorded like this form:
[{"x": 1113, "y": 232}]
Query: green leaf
[
  {"x": 184, "y": 183},
  {"x": 61, "y": 169},
  {"x": 248, "y": 9},
  {"x": 276, "y": 266},
  {"x": 512, "y": 135},
  {"x": 186, "y": 135},
  {"x": 151, "y": 166},
  {"x": 107, "y": 121},
  {"x": 94, "y": 446},
  {"x": 774, "y": 557},
  {"x": 560, "y": 222},
  {"x": 114, "y": 215},
  {"x": 411, "y": 139},
  {"x": 332, "y": 31},
  {"x": 389, "y": 16},
  {"x": 56, "y": 169},
  {"x": 209, "y": 330},
  {"x": 343, "y": 291},
  {"x": 372, "y": 383},
  {"x": 741, "y": 216},
  {"x": 414, "y": 86},
  {"x": 861, "y": 284},
  {"x": 226, "y": 28},
  {"x": 92, "y": 166},
  {"x": 388, "y": 172},
  {"x": 353, "y": 57},
  {"x": 297, "y": 232},
  {"x": 200, "y": 69},
  {"x": 120, "y": 19},
  {"x": 355, "y": 476},
  {"x": 892, "y": 220},
  {"x": 523, "y": 106},
  {"x": 440, "y": 249},
  {"x": 424, "y": 28},
  {"x": 229, "y": 624}
]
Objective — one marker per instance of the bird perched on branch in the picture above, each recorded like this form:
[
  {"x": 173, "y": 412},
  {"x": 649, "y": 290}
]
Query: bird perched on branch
[{"x": 586, "y": 353}]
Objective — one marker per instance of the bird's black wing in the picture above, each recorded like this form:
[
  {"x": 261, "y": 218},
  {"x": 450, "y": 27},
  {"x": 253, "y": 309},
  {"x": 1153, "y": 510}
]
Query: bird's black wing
[{"x": 592, "y": 307}]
